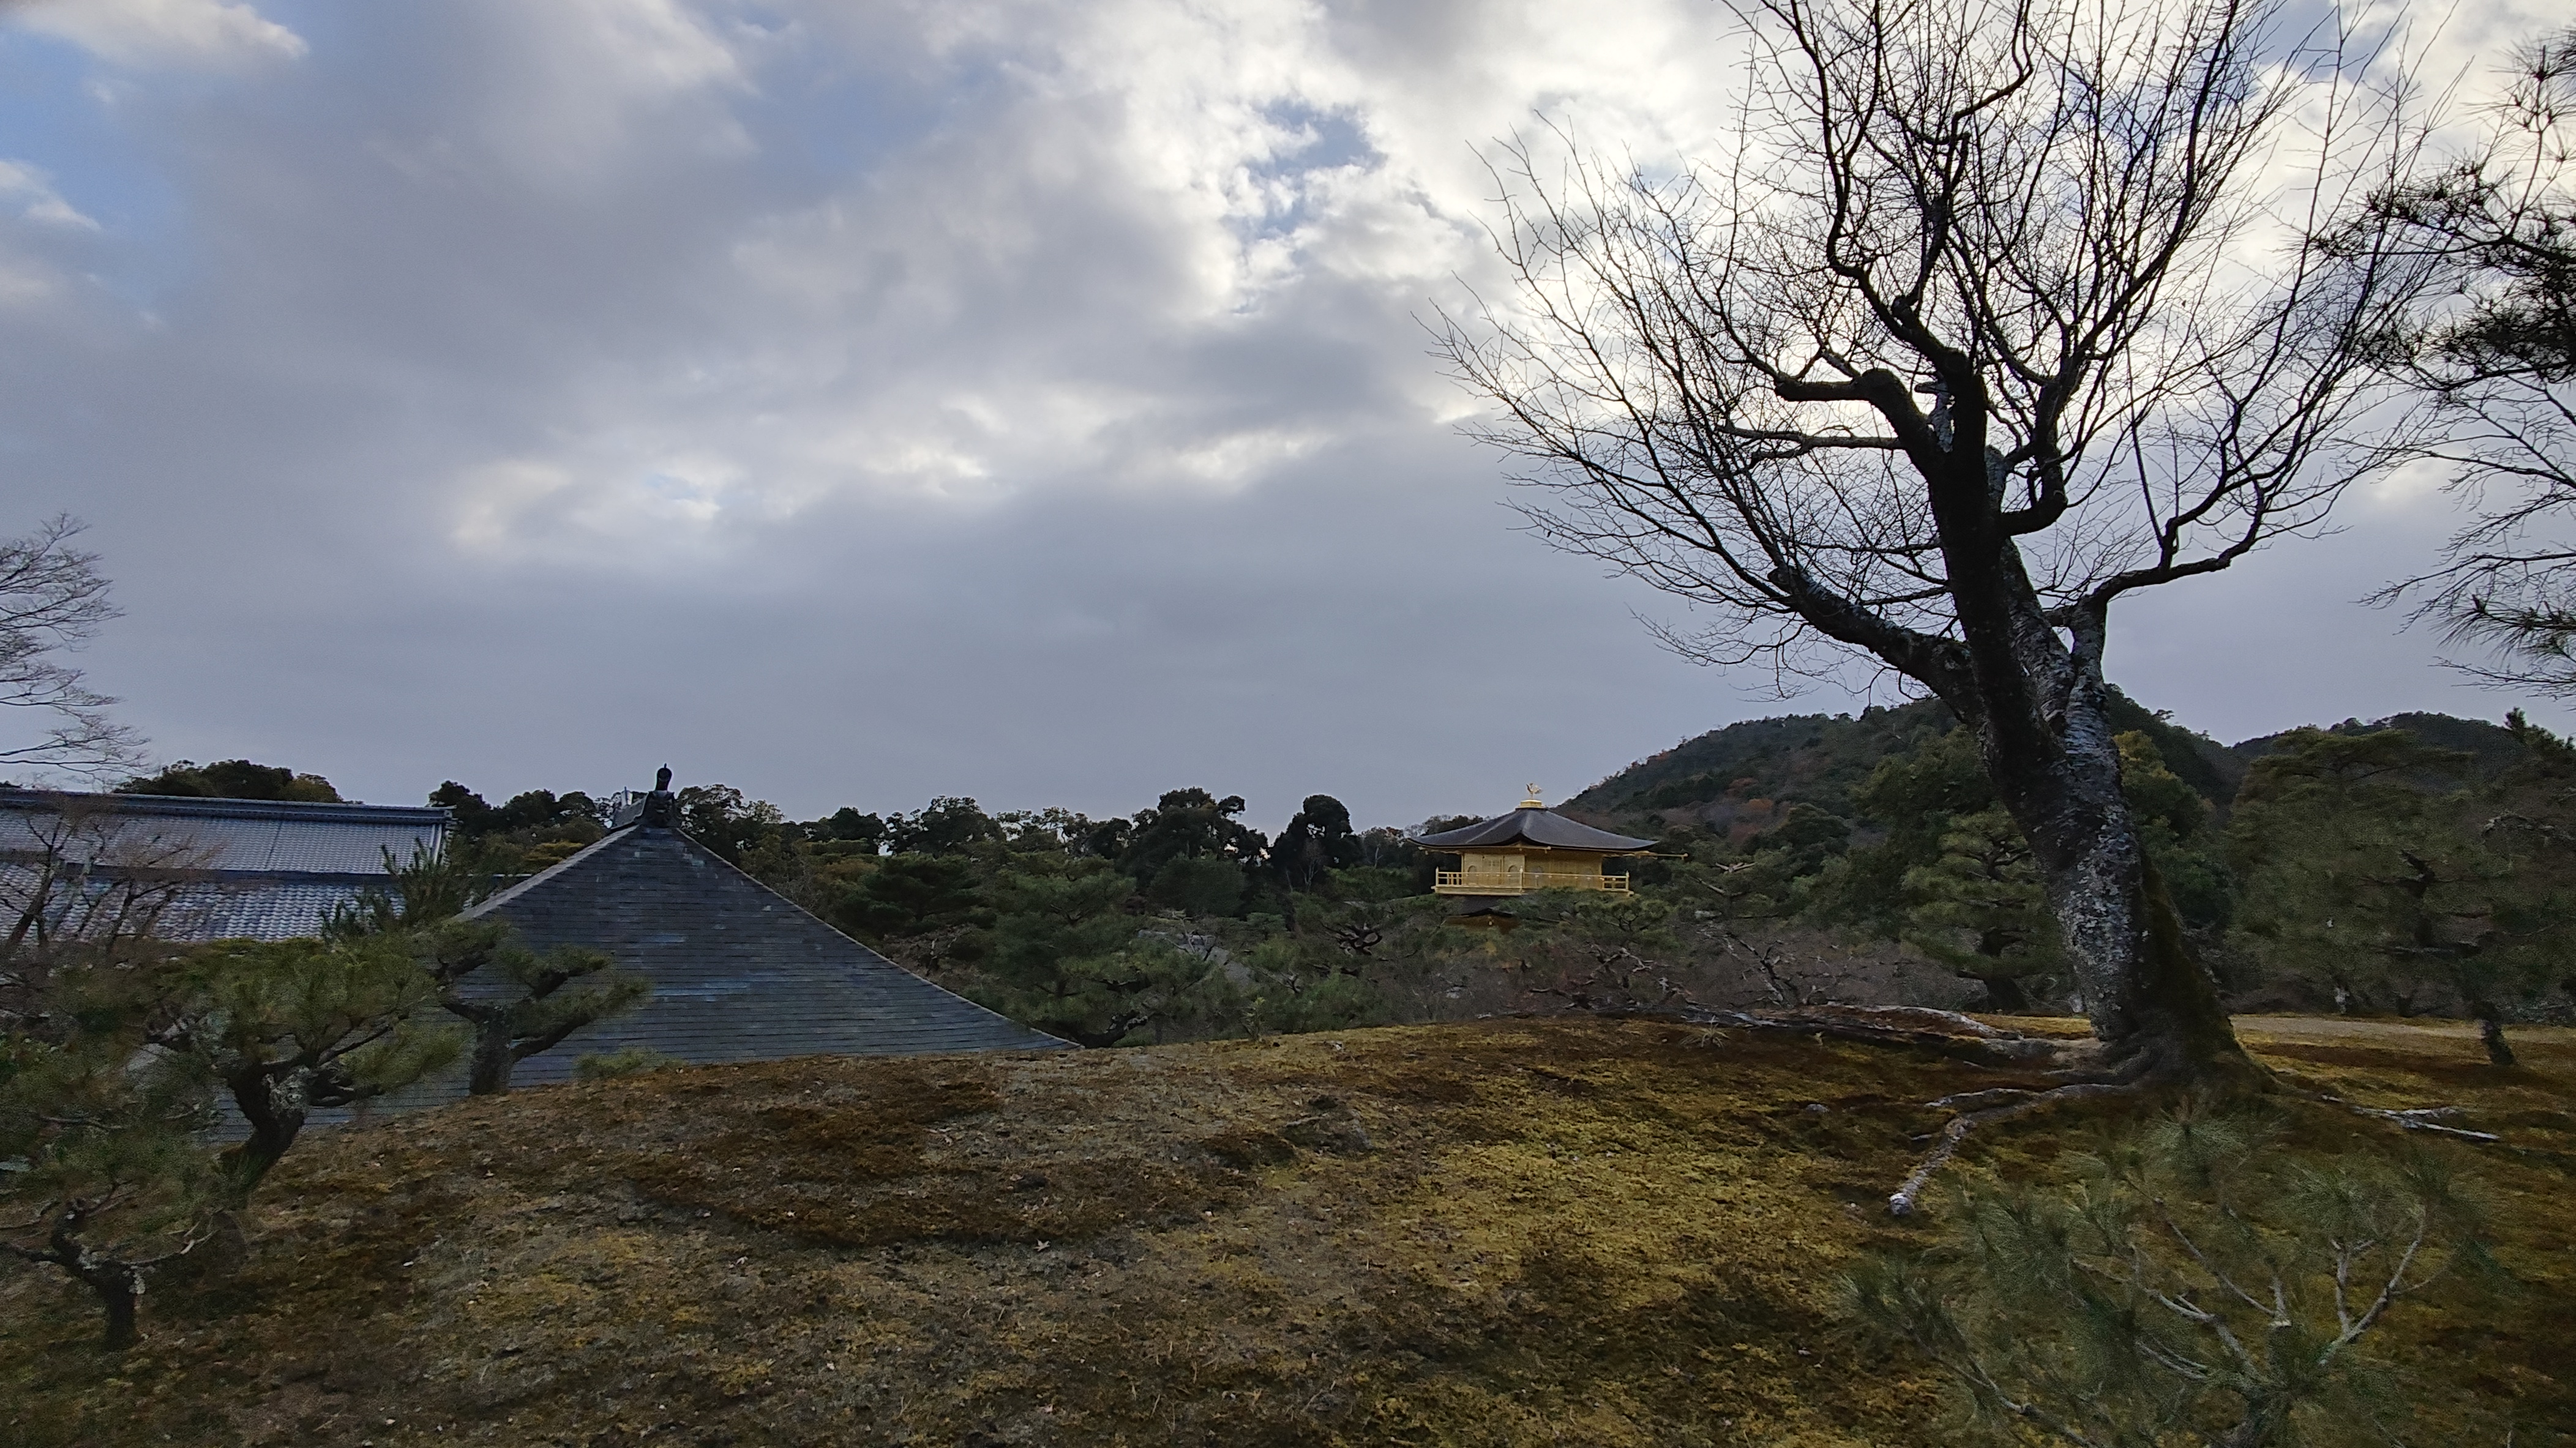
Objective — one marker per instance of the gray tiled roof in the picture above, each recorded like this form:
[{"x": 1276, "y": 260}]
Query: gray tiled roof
[
  {"x": 739, "y": 972},
  {"x": 233, "y": 867},
  {"x": 259, "y": 836},
  {"x": 257, "y": 907}
]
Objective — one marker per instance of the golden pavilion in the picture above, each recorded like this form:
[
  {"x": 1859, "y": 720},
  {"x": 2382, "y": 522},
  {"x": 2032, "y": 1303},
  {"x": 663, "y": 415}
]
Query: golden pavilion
[{"x": 1532, "y": 848}]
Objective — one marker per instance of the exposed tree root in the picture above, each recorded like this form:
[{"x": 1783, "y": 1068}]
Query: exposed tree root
[
  {"x": 2420, "y": 1118},
  {"x": 1947, "y": 1032},
  {"x": 1906, "y": 1197},
  {"x": 2076, "y": 1066},
  {"x": 2078, "y": 1069}
]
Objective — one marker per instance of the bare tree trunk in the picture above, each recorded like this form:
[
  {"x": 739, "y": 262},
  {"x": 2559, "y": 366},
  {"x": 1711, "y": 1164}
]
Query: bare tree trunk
[
  {"x": 2151, "y": 1003},
  {"x": 2037, "y": 699}
]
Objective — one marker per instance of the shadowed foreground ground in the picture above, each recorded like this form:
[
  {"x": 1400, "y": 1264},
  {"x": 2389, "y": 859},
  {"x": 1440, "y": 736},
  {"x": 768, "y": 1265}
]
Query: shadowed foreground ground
[{"x": 1523, "y": 1231}]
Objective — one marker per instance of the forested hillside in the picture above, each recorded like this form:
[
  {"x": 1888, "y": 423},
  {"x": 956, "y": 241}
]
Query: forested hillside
[{"x": 1717, "y": 779}]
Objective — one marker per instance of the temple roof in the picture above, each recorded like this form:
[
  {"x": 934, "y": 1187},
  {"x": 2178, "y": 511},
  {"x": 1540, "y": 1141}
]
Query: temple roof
[
  {"x": 739, "y": 972},
  {"x": 265, "y": 869},
  {"x": 1530, "y": 825}
]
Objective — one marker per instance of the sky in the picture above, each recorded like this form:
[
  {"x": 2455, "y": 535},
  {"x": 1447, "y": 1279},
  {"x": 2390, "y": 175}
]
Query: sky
[{"x": 861, "y": 402}]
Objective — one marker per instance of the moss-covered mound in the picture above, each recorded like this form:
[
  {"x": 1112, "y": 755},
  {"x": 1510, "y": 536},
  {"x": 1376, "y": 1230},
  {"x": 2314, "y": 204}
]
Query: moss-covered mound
[{"x": 1516, "y": 1231}]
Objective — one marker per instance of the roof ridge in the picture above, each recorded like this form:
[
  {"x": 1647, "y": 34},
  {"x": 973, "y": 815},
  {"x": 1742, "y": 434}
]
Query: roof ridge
[
  {"x": 493, "y": 901},
  {"x": 1536, "y": 826},
  {"x": 204, "y": 805},
  {"x": 870, "y": 951}
]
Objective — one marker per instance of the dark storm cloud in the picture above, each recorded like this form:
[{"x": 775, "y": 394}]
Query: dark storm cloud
[{"x": 856, "y": 404}]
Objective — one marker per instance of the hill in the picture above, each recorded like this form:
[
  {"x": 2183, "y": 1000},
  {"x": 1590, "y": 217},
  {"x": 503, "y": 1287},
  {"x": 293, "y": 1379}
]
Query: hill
[
  {"x": 1507, "y": 1231},
  {"x": 1716, "y": 778},
  {"x": 1751, "y": 771},
  {"x": 2490, "y": 747}
]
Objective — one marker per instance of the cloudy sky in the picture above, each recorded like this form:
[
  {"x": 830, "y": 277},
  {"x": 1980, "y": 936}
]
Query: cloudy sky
[{"x": 856, "y": 402}]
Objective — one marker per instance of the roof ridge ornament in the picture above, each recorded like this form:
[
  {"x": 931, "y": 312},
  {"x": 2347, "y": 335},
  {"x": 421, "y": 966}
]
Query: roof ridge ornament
[
  {"x": 661, "y": 807},
  {"x": 1533, "y": 801}
]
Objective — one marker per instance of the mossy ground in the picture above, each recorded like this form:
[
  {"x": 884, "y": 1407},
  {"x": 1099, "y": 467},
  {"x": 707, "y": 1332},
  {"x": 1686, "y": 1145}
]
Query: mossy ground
[{"x": 1523, "y": 1231}]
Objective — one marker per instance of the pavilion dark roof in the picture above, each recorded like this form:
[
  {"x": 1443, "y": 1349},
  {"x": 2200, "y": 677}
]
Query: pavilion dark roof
[
  {"x": 739, "y": 971},
  {"x": 1533, "y": 826}
]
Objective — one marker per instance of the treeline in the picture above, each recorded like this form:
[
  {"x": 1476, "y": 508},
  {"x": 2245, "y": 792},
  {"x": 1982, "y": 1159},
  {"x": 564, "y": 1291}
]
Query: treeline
[
  {"x": 1179, "y": 919},
  {"x": 2425, "y": 869}
]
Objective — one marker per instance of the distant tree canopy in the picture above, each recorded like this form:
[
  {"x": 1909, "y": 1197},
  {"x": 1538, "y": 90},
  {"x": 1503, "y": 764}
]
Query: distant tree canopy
[
  {"x": 1188, "y": 824},
  {"x": 234, "y": 779},
  {"x": 2388, "y": 872},
  {"x": 530, "y": 810},
  {"x": 1317, "y": 838},
  {"x": 913, "y": 894}
]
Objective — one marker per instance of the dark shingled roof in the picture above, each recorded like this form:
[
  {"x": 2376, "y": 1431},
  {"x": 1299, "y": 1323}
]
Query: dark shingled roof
[
  {"x": 739, "y": 972},
  {"x": 1530, "y": 825}
]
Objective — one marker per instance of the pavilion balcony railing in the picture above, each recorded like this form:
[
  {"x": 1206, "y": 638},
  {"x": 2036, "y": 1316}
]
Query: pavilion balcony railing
[{"x": 1480, "y": 882}]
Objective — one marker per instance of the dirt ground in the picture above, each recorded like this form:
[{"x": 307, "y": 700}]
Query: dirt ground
[{"x": 1513, "y": 1231}]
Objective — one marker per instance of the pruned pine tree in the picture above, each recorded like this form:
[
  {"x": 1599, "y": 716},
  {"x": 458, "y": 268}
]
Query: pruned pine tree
[
  {"x": 2195, "y": 1283},
  {"x": 103, "y": 1173},
  {"x": 1980, "y": 909},
  {"x": 1963, "y": 337},
  {"x": 2494, "y": 348},
  {"x": 106, "y": 1094},
  {"x": 517, "y": 1002},
  {"x": 285, "y": 1026},
  {"x": 1294, "y": 985},
  {"x": 432, "y": 884},
  {"x": 1070, "y": 960}
]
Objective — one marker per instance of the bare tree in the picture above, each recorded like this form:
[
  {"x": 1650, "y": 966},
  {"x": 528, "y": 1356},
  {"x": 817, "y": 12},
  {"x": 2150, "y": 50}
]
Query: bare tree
[
  {"x": 84, "y": 884},
  {"x": 52, "y": 599},
  {"x": 2495, "y": 348},
  {"x": 1953, "y": 348}
]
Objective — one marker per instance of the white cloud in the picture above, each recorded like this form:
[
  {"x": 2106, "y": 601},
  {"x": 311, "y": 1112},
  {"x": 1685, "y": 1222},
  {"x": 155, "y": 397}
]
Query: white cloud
[
  {"x": 1046, "y": 376},
  {"x": 33, "y": 193},
  {"x": 189, "y": 34},
  {"x": 584, "y": 93},
  {"x": 1027, "y": 293}
]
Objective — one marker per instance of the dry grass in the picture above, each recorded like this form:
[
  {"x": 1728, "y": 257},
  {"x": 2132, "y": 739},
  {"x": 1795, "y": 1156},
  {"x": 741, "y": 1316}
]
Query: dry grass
[{"x": 1513, "y": 1231}]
